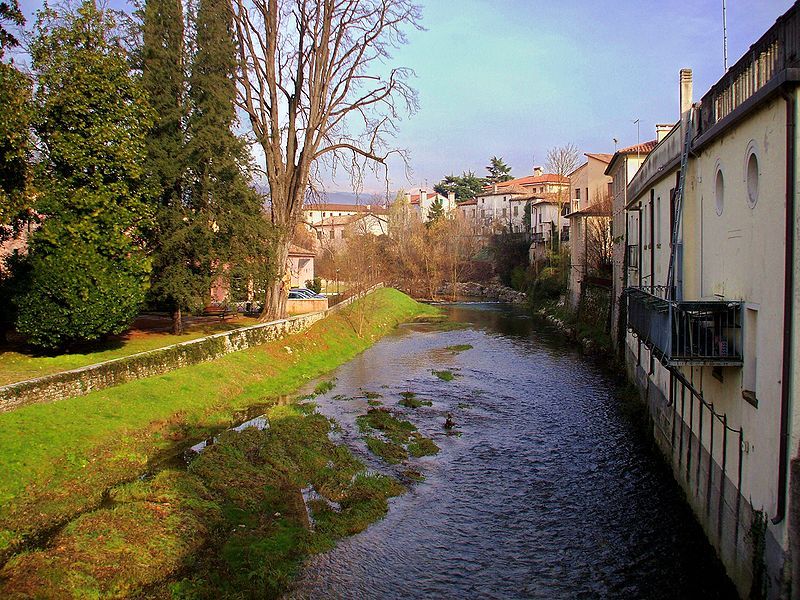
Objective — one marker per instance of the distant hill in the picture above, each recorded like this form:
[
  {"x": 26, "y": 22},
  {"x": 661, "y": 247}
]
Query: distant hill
[{"x": 337, "y": 197}]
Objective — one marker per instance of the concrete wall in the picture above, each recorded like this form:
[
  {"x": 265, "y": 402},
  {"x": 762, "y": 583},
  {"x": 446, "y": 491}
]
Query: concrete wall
[
  {"x": 301, "y": 307},
  {"x": 79, "y": 382}
]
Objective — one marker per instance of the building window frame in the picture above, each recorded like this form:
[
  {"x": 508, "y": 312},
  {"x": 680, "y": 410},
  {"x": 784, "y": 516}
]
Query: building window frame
[
  {"x": 752, "y": 177},
  {"x": 719, "y": 188}
]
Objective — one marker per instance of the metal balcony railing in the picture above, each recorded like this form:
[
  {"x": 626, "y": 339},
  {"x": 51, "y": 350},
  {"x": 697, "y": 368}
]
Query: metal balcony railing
[
  {"x": 778, "y": 49},
  {"x": 686, "y": 332}
]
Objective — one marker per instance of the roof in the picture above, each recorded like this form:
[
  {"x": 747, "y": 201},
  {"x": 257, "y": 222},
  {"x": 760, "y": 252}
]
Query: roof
[
  {"x": 643, "y": 148},
  {"x": 353, "y": 208},
  {"x": 344, "y": 220},
  {"x": 415, "y": 197},
  {"x": 471, "y": 202},
  {"x": 601, "y": 156},
  {"x": 534, "y": 180},
  {"x": 298, "y": 251},
  {"x": 592, "y": 210}
]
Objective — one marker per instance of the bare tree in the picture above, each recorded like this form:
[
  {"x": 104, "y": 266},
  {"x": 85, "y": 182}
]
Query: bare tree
[
  {"x": 599, "y": 244},
  {"x": 562, "y": 160},
  {"x": 314, "y": 84}
]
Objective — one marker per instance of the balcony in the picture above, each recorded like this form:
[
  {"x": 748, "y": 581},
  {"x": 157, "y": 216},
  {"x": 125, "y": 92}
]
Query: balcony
[
  {"x": 696, "y": 333},
  {"x": 777, "y": 51}
]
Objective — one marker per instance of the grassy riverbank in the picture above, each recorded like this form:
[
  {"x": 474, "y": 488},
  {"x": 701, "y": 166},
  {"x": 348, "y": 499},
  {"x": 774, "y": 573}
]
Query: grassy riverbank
[
  {"x": 59, "y": 460},
  {"x": 17, "y": 365}
]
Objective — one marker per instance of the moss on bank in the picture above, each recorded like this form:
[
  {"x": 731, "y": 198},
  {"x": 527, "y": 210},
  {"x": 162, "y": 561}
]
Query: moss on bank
[
  {"x": 58, "y": 459},
  {"x": 401, "y": 437},
  {"x": 234, "y": 524}
]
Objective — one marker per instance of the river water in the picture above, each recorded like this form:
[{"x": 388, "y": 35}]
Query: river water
[{"x": 550, "y": 490}]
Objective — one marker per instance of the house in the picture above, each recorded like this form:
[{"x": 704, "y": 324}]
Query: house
[
  {"x": 712, "y": 307},
  {"x": 333, "y": 231},
  {"x": 315, "y": 213},
  {"x": 621, "y": 169},
  {"x": 547, "y": 214},
  {"x": 301, "y": 265},
  {"x": 420, "y": 201},
  {"x": 589, "y": 224}
]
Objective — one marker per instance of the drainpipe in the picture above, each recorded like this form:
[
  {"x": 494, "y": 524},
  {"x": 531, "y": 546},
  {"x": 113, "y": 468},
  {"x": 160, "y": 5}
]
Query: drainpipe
[{"x": 788, "y": 297}]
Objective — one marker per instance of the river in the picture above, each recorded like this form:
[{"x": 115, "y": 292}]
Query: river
[{"x": 549, "y": 489}]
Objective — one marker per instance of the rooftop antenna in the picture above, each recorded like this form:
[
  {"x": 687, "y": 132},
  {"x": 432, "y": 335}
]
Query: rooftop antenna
[
  {"x": 616, "y": 141},
  {"x": 725, "y": 35}
]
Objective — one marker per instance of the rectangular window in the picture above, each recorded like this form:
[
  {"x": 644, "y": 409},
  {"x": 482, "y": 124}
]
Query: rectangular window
[
  {"x": 577, "y": 193},
  {"x": 516, "y": 210},
  {"x": 658, "y": 220},
  {"x": 483, "y": 213}
]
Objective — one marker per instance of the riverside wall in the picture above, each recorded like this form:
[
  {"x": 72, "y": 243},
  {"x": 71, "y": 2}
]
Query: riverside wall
[{"x": 81, "y": 381}]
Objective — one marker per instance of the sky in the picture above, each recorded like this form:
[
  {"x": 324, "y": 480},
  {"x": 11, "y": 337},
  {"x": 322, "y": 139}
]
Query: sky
[{"x": 513, "y": 78}]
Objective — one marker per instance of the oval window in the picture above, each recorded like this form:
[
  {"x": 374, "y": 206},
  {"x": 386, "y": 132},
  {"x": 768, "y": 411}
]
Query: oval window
[
  {"x": 719, "y": 192},
  {"x": 752, "y": 179}
]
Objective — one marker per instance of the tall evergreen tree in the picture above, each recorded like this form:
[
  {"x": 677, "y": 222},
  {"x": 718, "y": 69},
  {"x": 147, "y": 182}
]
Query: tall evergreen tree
[
  {"x": 464, "y": 186},
  {"x": 180, "y": 277},
  {"x": 86, "y": 273},
  {"x": 435, "y": 212},
  {"x": 219, "y": 160},
  {"x": 498, "y": 170},
  {"x": 15, "y": 117}
]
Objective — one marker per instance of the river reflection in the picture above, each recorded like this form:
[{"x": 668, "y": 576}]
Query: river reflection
[{"x": 548, "y": 492}]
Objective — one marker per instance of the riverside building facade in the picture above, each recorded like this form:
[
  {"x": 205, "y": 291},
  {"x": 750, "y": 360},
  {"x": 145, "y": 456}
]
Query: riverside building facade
[{"x": 712, "y": 307}]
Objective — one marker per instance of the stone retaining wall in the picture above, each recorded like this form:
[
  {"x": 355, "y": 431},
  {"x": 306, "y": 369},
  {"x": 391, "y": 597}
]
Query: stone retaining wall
[{"x": 84, "y": 380}]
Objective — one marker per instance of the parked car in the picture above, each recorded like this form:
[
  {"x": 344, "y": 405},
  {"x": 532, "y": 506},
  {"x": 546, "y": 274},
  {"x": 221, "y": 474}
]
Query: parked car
[{"x": 306, "y": 293}]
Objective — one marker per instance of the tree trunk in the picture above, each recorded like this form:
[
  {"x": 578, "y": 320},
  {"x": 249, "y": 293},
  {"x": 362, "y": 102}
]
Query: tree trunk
[
  {"x": 277, "y": 291},
  {"x": 177, "y": 321}
]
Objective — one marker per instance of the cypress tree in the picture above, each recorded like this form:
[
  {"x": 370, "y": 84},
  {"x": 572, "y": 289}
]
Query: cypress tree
[
  {"x": 218, "y": 159},
  {"x": 85, "y": 273},
  {"x": 180, "y": 278}
]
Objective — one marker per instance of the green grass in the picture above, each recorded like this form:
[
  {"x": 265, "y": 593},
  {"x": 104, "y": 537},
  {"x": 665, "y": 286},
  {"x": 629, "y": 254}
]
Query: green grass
[
  {"x": 324, "y": 387},
  {"x": 19, "y": 366},
  {"x": 233, "y": 525},
  {"x": 57, "y": 459}
]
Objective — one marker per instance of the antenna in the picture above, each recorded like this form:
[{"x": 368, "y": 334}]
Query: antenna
[
  {"x": 616, "y": 141},
  {"x": 725, "y": 35}
]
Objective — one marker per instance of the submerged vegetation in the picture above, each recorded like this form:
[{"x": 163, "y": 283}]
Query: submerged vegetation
[
  {"x": 459, "y": 348},
  {"x": 444, "y": 375},
  {"x": 401, "y": 438},
  {"x": 410, "y": 400}
]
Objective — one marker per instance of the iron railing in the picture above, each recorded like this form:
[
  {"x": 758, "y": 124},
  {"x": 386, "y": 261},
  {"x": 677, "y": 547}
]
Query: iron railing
[
  {"x": 776, "y": 50},
  {"x": 699, "y": 332}
]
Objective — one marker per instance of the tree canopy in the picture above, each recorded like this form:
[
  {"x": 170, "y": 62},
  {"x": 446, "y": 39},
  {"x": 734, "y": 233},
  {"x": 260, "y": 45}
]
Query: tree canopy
[
  {"x": 464, "y": 186},
  {"x": 498, "y": 170},
  {"x": 85, "y": 275}
]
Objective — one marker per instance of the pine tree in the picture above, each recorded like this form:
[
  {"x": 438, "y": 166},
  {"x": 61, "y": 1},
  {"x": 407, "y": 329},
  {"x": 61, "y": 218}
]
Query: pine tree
[
  {"x": 179, "y": 241},
  {"x": 464, "y": 186},
  {"x": 499, "y": 171},
  {"x": 436, "y": 211},
  {"x": 85, "y": 272},
  {"x": 219, "y": 160}
]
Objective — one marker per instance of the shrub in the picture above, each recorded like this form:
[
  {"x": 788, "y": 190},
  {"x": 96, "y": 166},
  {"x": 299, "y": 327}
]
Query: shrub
[{"x": 315, "y": 285}]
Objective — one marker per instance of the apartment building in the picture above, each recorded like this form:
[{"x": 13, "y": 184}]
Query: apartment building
[{"x": 712, "y": 306}]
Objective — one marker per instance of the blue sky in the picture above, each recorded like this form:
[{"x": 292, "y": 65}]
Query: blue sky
[{"x": 514, "y": 78}]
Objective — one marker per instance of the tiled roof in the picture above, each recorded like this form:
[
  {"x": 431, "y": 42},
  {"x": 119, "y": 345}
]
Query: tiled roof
[
  {"x": 298, "y": 251},
  {"x": 535, "y": 179},
  {"x": 415, "y": 197},
  {"x": 643, "y": 148},
  {"x": 471, "y": 202}
]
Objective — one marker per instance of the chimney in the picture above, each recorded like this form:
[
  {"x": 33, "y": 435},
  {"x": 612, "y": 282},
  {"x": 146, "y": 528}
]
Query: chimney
[
  {"x": 662, "y": 129},
  {"x": 423, "y": 197},
  {"x": 686, "y": 92},
  {"x": 494, "y": 188},
  {"x": 537, "y": 171},
  {"x": 451, "y": 199}
]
